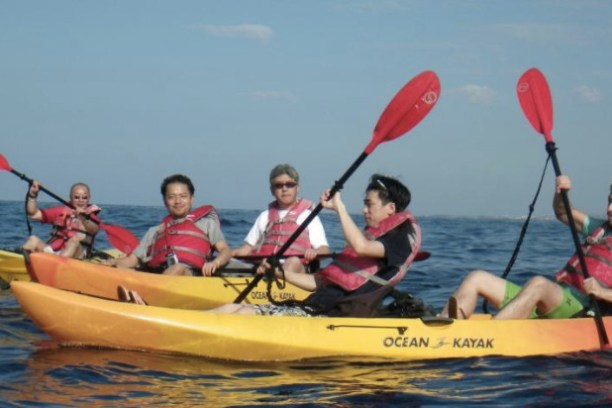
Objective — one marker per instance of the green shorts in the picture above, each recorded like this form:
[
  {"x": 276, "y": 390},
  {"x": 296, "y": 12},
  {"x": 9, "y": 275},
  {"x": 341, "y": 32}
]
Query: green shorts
[{"x": 573, "y": 304}]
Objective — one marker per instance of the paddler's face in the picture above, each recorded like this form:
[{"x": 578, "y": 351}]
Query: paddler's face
[
  {"x": 374, "y": 211},
  {"x": 79, "y": 196},
  {"x": 285, "y": 190},
  {"x": 178, "y": 199}
]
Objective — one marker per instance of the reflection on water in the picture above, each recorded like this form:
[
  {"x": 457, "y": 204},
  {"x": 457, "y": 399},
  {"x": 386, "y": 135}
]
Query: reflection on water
[{"x": 99, "y": 377}]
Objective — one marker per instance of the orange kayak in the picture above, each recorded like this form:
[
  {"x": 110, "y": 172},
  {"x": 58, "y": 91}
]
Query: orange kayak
[{"x": 184, "y": 292}]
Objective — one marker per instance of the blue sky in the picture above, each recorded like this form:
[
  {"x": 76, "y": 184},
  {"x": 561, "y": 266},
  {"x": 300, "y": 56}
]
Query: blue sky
[{"x": 121, "y": 94}]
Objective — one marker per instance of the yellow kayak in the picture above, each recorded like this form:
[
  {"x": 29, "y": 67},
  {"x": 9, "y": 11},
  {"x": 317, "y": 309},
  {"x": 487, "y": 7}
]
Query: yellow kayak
[
  {"x": 12, "y": 265},
  {"x": 185, "y": 292},
  {"x": 75, "y": 319}
]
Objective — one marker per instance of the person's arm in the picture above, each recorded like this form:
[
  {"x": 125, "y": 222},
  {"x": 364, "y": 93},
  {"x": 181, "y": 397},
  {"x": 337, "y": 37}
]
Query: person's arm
[
  {"x": 131, "y": 261},
  {"x": 224, "y": 253},
  {"x": 243, "y": 250},
  {"x": 593, "y": 287},
  {"x": 304, "y": 281},
  {"x": 352, "y": 233},
  {"x": 89, "y": 225},
  {"x": 31, "y": 206},
  {"x": 254, "y": 237},
  {"x": 563, "y": 183}
]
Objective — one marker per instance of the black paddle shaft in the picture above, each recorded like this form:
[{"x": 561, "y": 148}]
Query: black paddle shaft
[
  {"x": 551, "y": 149},
  {"x": 601, "y": 329},
  {"x": 273, "y": 260},
  {"x": 51, "y": 193}
]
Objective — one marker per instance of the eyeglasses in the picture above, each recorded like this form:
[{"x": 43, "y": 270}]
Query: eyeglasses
[{"x": 289, "y": 184}]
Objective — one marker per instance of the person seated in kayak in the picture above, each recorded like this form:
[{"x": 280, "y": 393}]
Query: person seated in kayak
[
  {"x": 74, "y": 229},
  {"x": 541, "y": 297},
  {"x": 283, "y": 216},
  {"x": 184, "y": 241},
  {"x": 375, "y": 258}
]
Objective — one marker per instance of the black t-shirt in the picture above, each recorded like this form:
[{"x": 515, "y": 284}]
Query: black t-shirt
[{"x": 397, "y": 248}]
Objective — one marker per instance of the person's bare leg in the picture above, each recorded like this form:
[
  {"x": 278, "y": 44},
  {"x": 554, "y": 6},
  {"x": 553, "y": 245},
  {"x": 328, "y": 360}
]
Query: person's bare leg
[
  {"x": 478, "y": 283},
  {"x": 177, "y": 270},
  {"x": 293, "y": 263},
  {"x": 72, "y": 247},
  {"x": 539, "y": 293},
  {"x": 33, "y": 244}
]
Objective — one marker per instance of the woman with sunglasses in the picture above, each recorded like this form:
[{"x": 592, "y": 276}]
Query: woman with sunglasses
[
  {"x": 284, "y": 215},
  {"x": 74, "y": 229}
]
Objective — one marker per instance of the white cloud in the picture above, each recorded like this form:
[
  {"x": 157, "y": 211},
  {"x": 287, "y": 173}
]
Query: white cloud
[
  {"x": 249, "y": 31},
  {"x": 588, "y": 94},
  {"x": 478, "y": 94},
  {"x": 273, "y": 96}
]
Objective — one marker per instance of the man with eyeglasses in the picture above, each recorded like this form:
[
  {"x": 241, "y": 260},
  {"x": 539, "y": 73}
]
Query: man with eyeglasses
[
  {"x": 540, "y": 297},
  {"x": 284, "y": 215},
  {"x": 73, "y": 230}
]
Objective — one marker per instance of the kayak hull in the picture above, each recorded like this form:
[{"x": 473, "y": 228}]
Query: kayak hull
[
  {"x": 12, "y": 264},
  {"x": 75, "y": 319},
  {"x": 184, "y": 292}
]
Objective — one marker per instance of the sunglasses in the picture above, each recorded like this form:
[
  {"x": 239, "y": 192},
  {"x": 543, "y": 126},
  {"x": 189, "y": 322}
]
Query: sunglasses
[{"x": 289, "y": 184}]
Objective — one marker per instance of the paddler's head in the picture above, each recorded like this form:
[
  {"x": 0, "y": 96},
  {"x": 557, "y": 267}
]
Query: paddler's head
[
  {"x": 178, "y": 192},
  {"x": 384, "y": 197},
  {"x": 284, "y": 185},
  {"x": 79, "y": 195}
]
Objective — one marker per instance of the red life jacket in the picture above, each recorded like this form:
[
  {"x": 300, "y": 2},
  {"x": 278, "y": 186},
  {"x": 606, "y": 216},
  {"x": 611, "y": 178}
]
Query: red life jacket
[
  {"x": 67, "y": 224},
  {"x": 183, "y": 238},
  {"x": 597, "y": 251},
  {"x": 351, "y": 271},
  {"x": 279, "y": 229}
]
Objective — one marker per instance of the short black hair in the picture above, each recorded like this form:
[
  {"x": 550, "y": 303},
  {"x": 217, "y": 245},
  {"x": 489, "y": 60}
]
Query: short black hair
[
  {"x": 390, "y": 190},
  {"x": 177, "y": 178}
]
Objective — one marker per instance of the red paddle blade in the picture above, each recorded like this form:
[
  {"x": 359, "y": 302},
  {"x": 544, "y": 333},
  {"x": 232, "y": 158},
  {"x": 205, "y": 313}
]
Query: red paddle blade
[
  {"x": 4, "y": 164},
  {"x": 536, "y": 102},
  {"x": 421, "y": 256},
  {"x": 120, "y": 238},
  {"x": 407, "y": 108}
]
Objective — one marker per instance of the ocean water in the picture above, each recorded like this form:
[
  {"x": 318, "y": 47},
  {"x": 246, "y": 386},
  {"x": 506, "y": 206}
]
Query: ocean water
[{"x": 37, "y": 373}]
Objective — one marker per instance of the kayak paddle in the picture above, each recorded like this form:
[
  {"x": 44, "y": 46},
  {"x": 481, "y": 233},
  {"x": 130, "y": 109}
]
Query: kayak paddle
[
  {"x": 535, "y": 100},
  {"x": 407, "y": 108},
  {"x": 119, "y": 237},
  {"x": 420, "y": 256}
]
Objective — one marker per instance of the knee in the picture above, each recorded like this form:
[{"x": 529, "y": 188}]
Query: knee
[
  {"x": 74, "y": 240},
  {"x": 477, "y": 276},
  {"x": 294, "y": 264},
  {"x": 537, "y": 283}
]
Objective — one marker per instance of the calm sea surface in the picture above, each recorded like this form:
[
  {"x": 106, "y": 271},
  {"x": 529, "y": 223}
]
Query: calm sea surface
[{"x": 36, "y": 372}]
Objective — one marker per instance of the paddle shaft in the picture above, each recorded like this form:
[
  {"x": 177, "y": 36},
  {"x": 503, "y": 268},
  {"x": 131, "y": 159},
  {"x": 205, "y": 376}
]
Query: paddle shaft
[
  {"x": 42, "y": 188},
  {"x": 551, "y": 149},
  {"x": 336, "y": 187}
]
